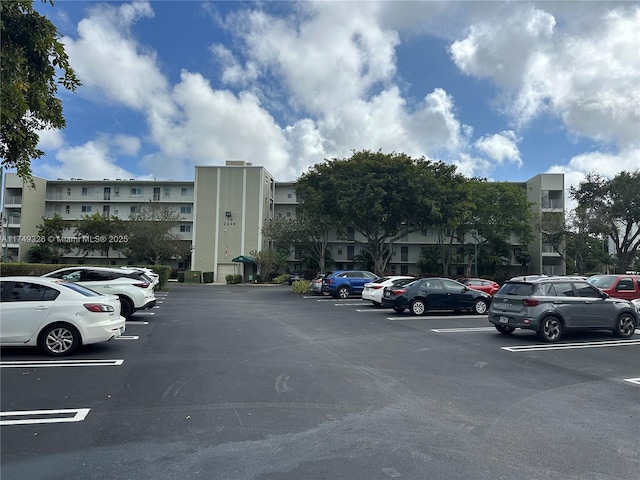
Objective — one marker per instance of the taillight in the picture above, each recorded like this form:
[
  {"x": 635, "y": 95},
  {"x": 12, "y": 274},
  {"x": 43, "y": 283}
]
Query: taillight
[
  {"x": 141, "y": 285},
  {"x": 530, "y": 302},
  {"x": 375, "y": 287},
  {"x": 327, "y": 281},
  {"x": 98, "y": 307},
  {"x": 398, "y": 291}
]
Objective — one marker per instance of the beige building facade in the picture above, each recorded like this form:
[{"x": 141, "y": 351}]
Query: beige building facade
[{"x": 223, "y": 212}]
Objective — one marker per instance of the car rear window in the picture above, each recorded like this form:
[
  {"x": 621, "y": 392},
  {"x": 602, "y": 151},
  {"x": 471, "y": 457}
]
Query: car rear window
[{"x": 517, "y": 288}]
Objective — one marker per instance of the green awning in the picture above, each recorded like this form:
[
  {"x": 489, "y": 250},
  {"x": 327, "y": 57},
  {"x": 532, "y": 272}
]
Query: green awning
[{"x": 244, "y": 259}]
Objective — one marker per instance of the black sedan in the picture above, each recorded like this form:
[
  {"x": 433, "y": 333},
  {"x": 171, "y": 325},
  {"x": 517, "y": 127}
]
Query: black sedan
[{"x": 435, "y": 294}]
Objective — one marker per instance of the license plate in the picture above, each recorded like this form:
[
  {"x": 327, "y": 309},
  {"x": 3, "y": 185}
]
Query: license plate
[{"x": 504, "y": 319}]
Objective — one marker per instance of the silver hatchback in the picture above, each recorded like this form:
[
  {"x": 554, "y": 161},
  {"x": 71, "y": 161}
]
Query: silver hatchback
[{"x": 552, "y": 305}]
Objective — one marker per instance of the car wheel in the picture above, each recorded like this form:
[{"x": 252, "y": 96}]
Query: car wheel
[
  {"x": 505, "y": 329},
  {"x": 550, "y": 329},
  {"x": 625, "y": 326},
  {"x": 59, "y": 339},
  {"x": 398, "y": 309},
  {"x": 418, "y": 307},
  {"x": 126, "y": 307},
  {"x": 343, "y": 292},
  {"x": 480, "y": 307}
]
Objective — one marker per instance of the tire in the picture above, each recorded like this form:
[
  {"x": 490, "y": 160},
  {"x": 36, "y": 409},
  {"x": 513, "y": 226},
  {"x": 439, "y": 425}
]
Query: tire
[
  {"x": 480, "y": 307},
  {"x": 625, "y": 326},
  {"x": 126, "y": 307},
  {"x": 505, "y": 329},
  {"x": 418, "y": 307},
  {"x": 550, "y": 329},
  {"x": 59, "y": 339},
  {"x": 343, "y": 292},
  {"x": 398, "y": 309}
]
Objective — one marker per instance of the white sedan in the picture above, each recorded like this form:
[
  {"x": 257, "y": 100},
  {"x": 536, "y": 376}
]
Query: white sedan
[
  {"x": 373, "y": 291},
  {"x": 55, "y": 315}
]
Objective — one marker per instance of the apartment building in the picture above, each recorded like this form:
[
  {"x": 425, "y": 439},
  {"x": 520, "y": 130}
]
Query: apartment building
[{"x": 223, "y": 212}]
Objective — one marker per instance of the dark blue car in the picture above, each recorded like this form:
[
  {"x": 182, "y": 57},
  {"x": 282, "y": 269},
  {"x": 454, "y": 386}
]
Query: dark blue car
[{"x": 343, "y": 283}]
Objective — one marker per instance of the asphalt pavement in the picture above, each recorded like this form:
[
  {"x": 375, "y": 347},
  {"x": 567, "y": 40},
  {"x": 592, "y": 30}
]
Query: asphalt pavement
[{"x": 253, "y": 382}]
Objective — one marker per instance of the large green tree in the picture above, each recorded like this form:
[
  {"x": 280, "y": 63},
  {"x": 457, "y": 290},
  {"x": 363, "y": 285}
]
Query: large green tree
[
  {"x": 151, "y": 236},
  {"x": 100, "y": 233},
  {"x": 56, "y": 240},
  {"x": 383, "y": 197},
  {"x": 33, "y": 63},
  {"x": 611, "y": 207},
  {"x": 500, "y": 214}
]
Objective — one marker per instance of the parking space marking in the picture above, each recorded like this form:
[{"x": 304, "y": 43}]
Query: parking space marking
[
  {"x": 127, "y": 337},
  {"x": 61, "y": 363},
  {"x": 635, "y": 381},
  {"x": 44, "y": 416},
  {"x": 137, "y": 323},
  {"x": 436, "y": 317},
  {"x": 350, "y": 304},
  {"x": 146, "y": 313},
  {"x": 463, "y": 330},
  {"x": 569, "y": 346}
]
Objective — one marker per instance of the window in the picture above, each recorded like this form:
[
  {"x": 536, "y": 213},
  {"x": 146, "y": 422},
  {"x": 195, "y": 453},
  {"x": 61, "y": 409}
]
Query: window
[
  {"x": 85, "y": 191},
  {"x": 185, "y": 191},
  {"x": 116, "y": 191},
  {"x": 404, "y": 254},
  {"x": 185, "y": 210},
  {"x": 27, "y": 292},
  {"x": 167, "y": 192},
  {"x": 350, "y": 233},
  {"x": 67, "y": 209},
  {"x": 133, "y": 210},
  {"x": 86, "y": 209},
  {"x": 115, "y": 212},
  {"x": 586, "y": 290},
  {"x": 156, "y": 194},
  {"x": 404, "y": 269},
  {"x": 289, "y": 194},
  {"x": 563, "y": 290},
  {"x": 106, "y": 210},
  {"x": 289, "y": 212},
  {"x": 350, "y": 251},
  {"x": 136, "y": 191},
  {"x": 625, "y": 284},
  {"x": 185, "y": 228},
  {"x": 69, "y": 192}
]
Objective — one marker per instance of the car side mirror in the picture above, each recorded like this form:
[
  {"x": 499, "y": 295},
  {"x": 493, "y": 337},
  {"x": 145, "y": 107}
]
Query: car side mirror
[{"x": 605, "y": 295}]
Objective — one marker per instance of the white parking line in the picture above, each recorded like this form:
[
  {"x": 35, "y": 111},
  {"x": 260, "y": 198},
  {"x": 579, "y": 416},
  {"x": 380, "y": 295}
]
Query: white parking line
[
  {"x": 137, "y": 323},
  {"x": 569, "y": 346},
  {"x": 61, "y": 363},
  {"x": 463, "y": 330},
  {"x": 127, "y": 337},
  {"x": 436, "y": 317},
  {"x": 45, "y": 416},
  {"x": 350, "y": 304},
  {"x": 635, "y": 381},
  {"x": 145, "y": 313}
]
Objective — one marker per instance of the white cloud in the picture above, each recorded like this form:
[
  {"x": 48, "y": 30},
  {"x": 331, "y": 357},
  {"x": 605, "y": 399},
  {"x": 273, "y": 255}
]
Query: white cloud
[
  {"x": 93, "y": 160},
  {"x": 501, "y": 147},
  {"x": 51, "y": 139}
]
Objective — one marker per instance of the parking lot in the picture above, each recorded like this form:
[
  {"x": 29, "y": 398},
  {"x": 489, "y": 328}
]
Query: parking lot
[{"x": 255, "y": 382}]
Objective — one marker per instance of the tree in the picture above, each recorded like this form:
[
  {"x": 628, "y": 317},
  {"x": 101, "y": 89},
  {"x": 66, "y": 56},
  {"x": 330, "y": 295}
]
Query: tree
[
  {"x": 269, "y": 261},
  {"x": 55, "y": 244},
  {"x": 31, "y": 58},
  {"x": 612, "y": 208},
  {"x": 150, "y": 238},
  {"x": 99, "y": 233},
  {"x": 500, "y": 211},
  {"x": 382, "y": 196},
  {"x": 306, "y": 233}
]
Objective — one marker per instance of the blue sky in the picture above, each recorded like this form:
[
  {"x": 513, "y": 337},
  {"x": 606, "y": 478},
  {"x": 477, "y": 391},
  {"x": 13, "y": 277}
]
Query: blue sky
[{"x": 503, "y": 90}]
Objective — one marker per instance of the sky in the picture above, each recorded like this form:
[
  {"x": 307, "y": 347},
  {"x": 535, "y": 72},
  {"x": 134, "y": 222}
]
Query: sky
[{"x": 503, "y": 90}]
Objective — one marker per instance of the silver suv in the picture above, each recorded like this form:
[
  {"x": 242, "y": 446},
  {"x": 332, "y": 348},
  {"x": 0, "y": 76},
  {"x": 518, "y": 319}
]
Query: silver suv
[{"x": 552, "y": 305}]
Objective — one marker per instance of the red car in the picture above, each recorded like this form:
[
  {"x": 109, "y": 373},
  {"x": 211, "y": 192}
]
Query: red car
[
  {"x": 486, "y": 286},
  {"x": 617, "y": 286}
]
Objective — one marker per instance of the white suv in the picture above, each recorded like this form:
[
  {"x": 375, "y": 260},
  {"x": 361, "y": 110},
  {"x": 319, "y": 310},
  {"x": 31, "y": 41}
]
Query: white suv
[{"x": 133, "y": 287}]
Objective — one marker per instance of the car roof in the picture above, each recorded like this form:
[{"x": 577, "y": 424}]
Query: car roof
[
  {"x": 98, "y": 268},
  {"x": 33, "y": 279}
]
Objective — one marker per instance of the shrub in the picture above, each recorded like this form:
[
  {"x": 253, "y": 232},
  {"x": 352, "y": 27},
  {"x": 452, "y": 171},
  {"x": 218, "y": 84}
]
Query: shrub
[
  {"x": 301, "y": 286},
  {"x": 234, "y": 278},
  {"x": 281, "y": 278}
]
